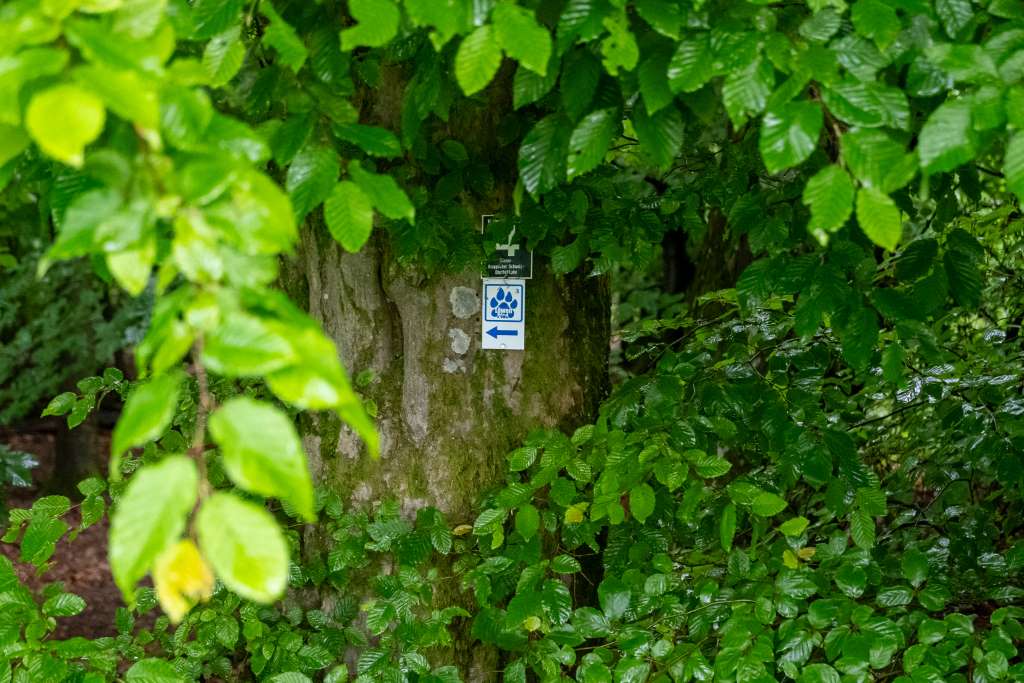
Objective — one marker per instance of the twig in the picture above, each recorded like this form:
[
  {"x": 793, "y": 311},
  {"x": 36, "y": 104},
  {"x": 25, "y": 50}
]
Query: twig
[{"x": 202, "y": 410}]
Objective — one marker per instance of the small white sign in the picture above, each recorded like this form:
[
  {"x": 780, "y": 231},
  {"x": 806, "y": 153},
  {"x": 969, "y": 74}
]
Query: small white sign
[{"x": 503, "y": 323}]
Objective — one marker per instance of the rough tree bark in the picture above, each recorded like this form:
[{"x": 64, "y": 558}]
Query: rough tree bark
[{"x": 449, "y": 411}]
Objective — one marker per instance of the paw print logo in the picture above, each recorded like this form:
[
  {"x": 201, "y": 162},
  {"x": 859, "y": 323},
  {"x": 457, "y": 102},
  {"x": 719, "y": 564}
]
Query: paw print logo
[{"x": 503, "y": 305}]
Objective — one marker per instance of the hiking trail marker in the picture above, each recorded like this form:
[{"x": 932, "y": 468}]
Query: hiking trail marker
[{"x": 503, "y": 322}]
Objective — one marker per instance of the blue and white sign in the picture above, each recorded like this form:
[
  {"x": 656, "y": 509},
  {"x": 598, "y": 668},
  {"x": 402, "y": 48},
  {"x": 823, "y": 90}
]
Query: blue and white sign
[{"x": 504, "y": 314}]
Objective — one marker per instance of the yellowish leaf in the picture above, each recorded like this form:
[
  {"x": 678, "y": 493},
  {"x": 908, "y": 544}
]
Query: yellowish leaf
[
  {"x": 789, "y": 559},
  {"x": 806, "y": 553},
  {"x": 182, "y": 579},
  {"x": 574, "y": 515},
  {"x": 531, "y": 623}
]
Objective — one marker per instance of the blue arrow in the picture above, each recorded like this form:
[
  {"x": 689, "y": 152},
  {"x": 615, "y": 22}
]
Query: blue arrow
[{"x": 497, "y": 332}]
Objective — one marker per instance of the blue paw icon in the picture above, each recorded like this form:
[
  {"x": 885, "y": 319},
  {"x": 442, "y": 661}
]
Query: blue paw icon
[{"x": 504, "y": 303}]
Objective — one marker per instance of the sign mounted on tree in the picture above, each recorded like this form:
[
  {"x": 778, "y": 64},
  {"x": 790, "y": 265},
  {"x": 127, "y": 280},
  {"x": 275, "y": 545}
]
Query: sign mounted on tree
[
  {"x": 503, "y": 323},
  {"x": 510, "y": 259}
]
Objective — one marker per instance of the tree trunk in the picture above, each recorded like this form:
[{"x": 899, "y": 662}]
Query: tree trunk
[{"x": 448, "y": 411}]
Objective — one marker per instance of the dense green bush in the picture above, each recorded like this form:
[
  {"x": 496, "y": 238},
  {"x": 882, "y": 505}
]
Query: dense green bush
[
  {"x": 810, "y": 472},
  {"x": 752, "y": 508},
  {"x": 56, "y": 330}
]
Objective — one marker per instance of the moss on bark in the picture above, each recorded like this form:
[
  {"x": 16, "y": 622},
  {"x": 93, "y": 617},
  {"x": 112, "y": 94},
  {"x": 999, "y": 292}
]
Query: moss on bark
[{"x": 447, "y": 419}]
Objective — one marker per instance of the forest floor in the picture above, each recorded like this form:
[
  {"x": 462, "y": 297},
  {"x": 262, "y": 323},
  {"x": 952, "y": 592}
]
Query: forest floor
[{"x": 81, "y": 564}]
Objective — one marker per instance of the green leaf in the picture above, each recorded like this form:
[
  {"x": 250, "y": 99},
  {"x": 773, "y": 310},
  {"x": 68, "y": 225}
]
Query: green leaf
[
  {"x": 851, "y": 580},
  {"x": 477, "y": 60},
  {"x": 660, "y": 135},
  {"x": 789, "y": 134},
  {"x": 915, "y": 566},
  {"x": 375, "y": 141},
  {"x": 210, "y": 17},
  {"x": 282, "y": 37},
  {"x": 521, "y": 458},
  {"x": 868, "y": 105},
  {"x": 664, "y": 17},
  {"x": 262, "y": 452},
  {"x": 131, "y": 268},
  {"x": 594, "y": 671},
  {"x": 641, "y": 502},
  {"x": 934, "y": 597},
  {"x": 590, "y": 140},
  {"x": 859, "y": 337},
  {"x": 768, "y": 504},
  {"x": 877, "y": 160},
  {"x": 529, "y": 86},
  {"x": 245, "y": 547},
  {"x": 654, "y": 84},
  {"x": 954, "y": 14},
  {"x": 632, "y": 670},
  {"x": 63, "y": 605},
  {"x": 613, "y": 595},
  {"x": 542, "y": 155},
  {"x": 876, "y": 20},
  {"x": 63, "y": 120},
  {"x": 746, "y": 90},
  {"x": 581, "y": 73},
  {"x": 527, "y": 521},
  {"x": 931, "y": 631},
  {"x": 184, "y": 116},
  {"x": 1013, "y": 166},
  {"x": 289, "y": 137},
  {"x": 565, "y": 564},
  {"x": 894, "y": 596},
  {"x": 146, "y": 415},
  {"x": 819, "y": 673},
  {"x": 60, "y": 404},
  {"x": 40, "y": 540},
  {"x": 692, "y": 64},
  {"x": 581, "y": 19},
  {"x": 311, "y": 176},
  {"x": 965, "y": 279},
  {"x": 349, "y": 215},
  {"x": 862, "y": 528},
  {"x": 947, "y": 139},
  {"x": 619, "y": 48},
  {"x": 153, "y": 671},
  {"x": 51, "y": 506},
  {"x": 829, "y": 194},
  {"x": 377, "y": 24},
  {"x": 290, "y": 677},
  {"x": 727, "y": 527},
  {"x": 522, "y": 38},
  {"x": 150, "y": 516},
  {"x": 384, "y": 193},
  {"x": 125, "y": 92},
  {"x": 794, "y": 526},
  {"x": 244, "y": 345},
  {"x": 487, "y": 520},
  {"x": 822, "y": 25},
  {"x": 315, "y": 380},
  {"x": 711, "y": 466},
  {"x": 13, "y": 141},
  {"x": 446, "y": 17},
  {"x": 223, "y": 56},
  {"x": 879, "y": 217}
]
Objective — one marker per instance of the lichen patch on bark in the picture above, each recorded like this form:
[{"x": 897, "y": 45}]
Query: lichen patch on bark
[
  {"x": 464, "y": 302},
  {"x": 460, "y": 340}
]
